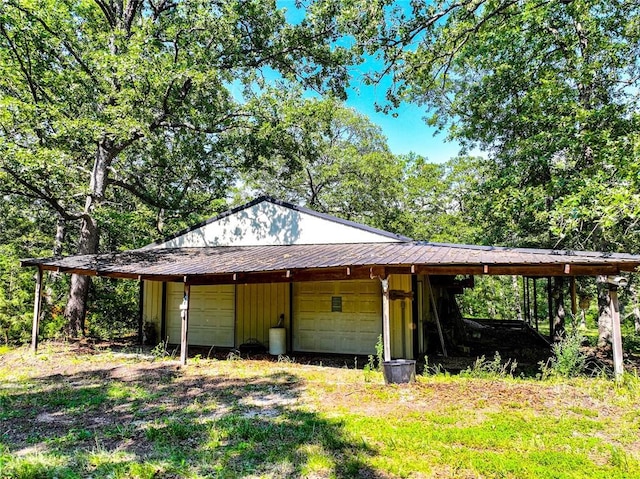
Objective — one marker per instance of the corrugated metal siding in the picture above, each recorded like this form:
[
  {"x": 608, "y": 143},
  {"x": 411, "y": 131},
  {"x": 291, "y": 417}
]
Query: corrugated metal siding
[
  {"x": 258, "y": 307},
  {"x": 152, "y": 304},
  {"x": 400, "y": 321}
]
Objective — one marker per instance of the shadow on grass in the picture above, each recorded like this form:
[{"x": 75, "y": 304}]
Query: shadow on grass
[{"x": 153, "y": 421}]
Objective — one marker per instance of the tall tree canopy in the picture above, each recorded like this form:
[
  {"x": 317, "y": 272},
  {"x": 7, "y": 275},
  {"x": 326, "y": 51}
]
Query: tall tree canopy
[
  {"x": 110, "y": 99},
  {"x": 547, "y": 88},
  {"x": 327, "y": 157}
]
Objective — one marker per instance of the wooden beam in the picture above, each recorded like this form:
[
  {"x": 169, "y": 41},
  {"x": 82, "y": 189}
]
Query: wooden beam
[
  {"x": 377, "y": 272},
  {"x": 448, "y": 270},
  {"x": 184, "y": 313},
  {"x": 37, "y": 305}
]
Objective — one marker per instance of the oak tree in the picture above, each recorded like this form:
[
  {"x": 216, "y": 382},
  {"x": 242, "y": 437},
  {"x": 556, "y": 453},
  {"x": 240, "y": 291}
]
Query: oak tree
[{"x": 106, "y": 99}]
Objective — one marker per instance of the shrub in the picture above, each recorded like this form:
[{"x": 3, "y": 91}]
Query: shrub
[{"x": 568, "y": 359}]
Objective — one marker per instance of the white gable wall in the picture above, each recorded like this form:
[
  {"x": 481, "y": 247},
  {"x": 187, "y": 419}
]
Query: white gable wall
[{"x": 267, "y": 223}]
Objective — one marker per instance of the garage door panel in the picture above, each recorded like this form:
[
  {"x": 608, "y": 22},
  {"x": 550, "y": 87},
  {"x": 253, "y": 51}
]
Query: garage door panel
[
  {"x": 211, "y": 314},
  {"x": 354, "y": 330}
]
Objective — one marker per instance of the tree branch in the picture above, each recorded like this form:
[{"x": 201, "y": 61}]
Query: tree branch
[
  {"x": 39, "y": 194},
  {"x": 62, "y": 38}
]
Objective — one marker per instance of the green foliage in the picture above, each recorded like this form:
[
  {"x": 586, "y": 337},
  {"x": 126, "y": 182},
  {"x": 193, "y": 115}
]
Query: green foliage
[
  {"x": 433, "y": 370},
  {"x": 113, "y": 309},
  {"x": 160, "y": 351},
  {"x": 15, "y": 300},
  {"x": 569, "y": 360},
  {"x": 126, "y": 123},
  {"x": 262, "y": 419},
  {"x": 380, "y": 352},
  {"x": 547, "y": 90},
  {"x": 494, "y": 297},
  {"x": 325, "y": 156}
]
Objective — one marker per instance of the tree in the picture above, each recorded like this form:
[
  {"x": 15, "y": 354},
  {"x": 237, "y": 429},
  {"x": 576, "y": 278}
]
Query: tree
[
  {"x": 548, "y": 89},
  {"x": 104, "y": 99},
  {"x": 327, "y": 157}
]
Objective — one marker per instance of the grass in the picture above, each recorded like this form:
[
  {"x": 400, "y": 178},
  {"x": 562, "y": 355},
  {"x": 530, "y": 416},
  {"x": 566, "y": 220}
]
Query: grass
[{"x": 72, "y": 413}]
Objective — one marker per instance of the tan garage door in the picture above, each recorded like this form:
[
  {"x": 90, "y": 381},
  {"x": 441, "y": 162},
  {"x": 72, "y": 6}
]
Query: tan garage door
[
  {"x": 320, "y": 326},
  {"x": 211, "y": 314}
]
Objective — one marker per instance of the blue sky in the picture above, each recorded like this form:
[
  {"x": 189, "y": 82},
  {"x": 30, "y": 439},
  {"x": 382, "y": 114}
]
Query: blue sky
[{"x": 407, "y": 131}]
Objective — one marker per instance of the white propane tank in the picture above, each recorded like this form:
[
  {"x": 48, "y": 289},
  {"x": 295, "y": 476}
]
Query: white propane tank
[{"x": 277, "y": 341}]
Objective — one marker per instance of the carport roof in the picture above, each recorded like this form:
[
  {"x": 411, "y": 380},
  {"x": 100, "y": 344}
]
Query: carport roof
[{"x": 254, "y": 264}]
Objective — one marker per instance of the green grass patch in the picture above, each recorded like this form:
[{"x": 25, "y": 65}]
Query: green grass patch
[{"x": 229, "y": 419}]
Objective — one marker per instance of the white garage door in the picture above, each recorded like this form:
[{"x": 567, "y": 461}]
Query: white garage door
[
  {"x": 337, "y": 316},
  {"x": 211, "y": 314}
]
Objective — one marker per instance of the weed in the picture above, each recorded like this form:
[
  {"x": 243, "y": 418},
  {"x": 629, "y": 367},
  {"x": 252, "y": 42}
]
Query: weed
[
  {"x": 371, "y": 363},
  {"x": 283, "y": 358},
  {"x": 370, "y": 372},
  {"x": 380, "y": 352},
  {"x": 629, "y": 384},
  {"x": 435, "y": 370},
  {"x": 483, "y": 368},
  {"x": 569, "y": 361},
  {"x": 160, "y": 350},
  {"x": 619, "y": 458}
]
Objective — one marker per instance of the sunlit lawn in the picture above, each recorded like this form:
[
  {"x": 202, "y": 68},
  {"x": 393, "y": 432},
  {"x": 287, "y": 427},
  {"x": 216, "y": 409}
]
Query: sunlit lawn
[{"x": 68, "y": 413}]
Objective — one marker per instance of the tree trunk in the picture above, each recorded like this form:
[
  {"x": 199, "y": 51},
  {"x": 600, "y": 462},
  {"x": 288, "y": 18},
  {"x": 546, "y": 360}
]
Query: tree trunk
[
  {"x": 76, "y": 308},
  {"x": 516, "y": 295},
  {"x": 559, "y": 317},
  {"x": 60, "y": 233},
  {"x": 604, "y": 313},
  {"x": 636, "y": 308}
]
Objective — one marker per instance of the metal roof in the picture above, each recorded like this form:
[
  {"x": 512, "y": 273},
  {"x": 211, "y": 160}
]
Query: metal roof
[{"x": 335, "y": 261}]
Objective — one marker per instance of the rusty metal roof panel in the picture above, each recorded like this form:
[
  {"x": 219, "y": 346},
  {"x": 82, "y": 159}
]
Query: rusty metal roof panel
[{"x": 234, "y": 259}]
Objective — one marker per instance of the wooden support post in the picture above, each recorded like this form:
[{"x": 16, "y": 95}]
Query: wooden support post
[
  {"x": 184, "y": 313},
  {"x": 386, "y": 340},
  {"x": 550, "y": 305},
  {"x": 559, "y": 313},
  {"x": 535, "y": 301},
  {"x": 37, "y": 304},
  {"x": 437, "y": 316},
  {"x": 616, "y": 334},
  {"x": 140, "y": 311},
  {"x": 527, "y": 300},
  {"x": 574, "y": 301}
]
